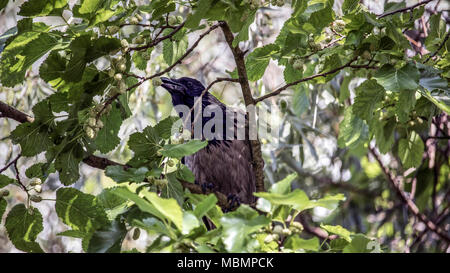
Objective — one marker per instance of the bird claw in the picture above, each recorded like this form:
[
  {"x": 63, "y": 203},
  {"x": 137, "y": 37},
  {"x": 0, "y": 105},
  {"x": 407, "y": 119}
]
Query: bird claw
[
  {"x": 233, "y": 202},
  {"x": 207, "y": 187}
]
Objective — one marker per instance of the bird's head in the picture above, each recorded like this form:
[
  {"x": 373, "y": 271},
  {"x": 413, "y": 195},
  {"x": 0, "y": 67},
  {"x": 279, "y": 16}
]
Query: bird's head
[{"x": 183, "y": 90}]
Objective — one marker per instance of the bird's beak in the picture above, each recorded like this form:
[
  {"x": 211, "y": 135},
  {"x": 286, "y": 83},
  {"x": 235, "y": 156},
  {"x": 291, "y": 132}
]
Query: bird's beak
[{"x": 172, "y": 85}]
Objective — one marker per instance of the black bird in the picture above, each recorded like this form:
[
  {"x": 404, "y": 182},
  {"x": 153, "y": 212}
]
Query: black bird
[{"x": 223, "y": 165}]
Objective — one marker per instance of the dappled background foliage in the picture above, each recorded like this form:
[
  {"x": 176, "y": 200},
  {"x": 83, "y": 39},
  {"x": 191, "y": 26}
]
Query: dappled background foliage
[{"x": 359, "y": 88}]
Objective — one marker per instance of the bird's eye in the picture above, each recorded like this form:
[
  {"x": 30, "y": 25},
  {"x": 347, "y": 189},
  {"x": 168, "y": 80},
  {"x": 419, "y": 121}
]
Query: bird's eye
[{"x": 189, "y": 84}]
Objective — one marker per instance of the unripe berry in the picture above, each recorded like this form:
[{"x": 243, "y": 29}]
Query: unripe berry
[
  {"x": 277, "y": 230},
  {"x": 36, "y": 198},
  {"x": 124, "y": 43},
  {"x": 172, "y": 20},
  {"x": 297, "y": 225},
  {"x": 38, "y": 188},
  {"x": 298, "y": 64},
  {"x": 122, "y": 67},
  {"x": 366, "y": 55},
  {"x": 90, "y": 132},
  {"x": 139, "y": 39},
  {"x": 4, "y": 193},
  {"x": 111, "y": 73},
  {"x": 134, "y": 20},
  {"x": 170, "y": 163},
  {"x": 179, "y": 19},
  {"x": 113, "y": 29},
  {"x": 92, "y": 122},
  {"x": 118, "y": 77},
  {"x": 139, "y": 17},
  {"x": 122, "y": 87},
  {"x": 35, "y": 181},
  {"x": 268, "y": 239},
  {"x": 286, "y": 232},
  {"x": 99, "y": 124}
]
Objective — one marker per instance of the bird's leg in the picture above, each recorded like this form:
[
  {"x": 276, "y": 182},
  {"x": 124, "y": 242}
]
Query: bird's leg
[
  {"x": 233, "y": 202},
  {"x": 206, "y": 186}
]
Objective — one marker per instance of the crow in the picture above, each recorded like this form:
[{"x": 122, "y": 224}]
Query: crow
[{"x": 224, "y": 165}]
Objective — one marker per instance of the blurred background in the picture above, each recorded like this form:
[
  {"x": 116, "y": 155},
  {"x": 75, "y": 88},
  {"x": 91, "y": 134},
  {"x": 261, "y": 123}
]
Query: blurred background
[{"x": 307, "y": 143}]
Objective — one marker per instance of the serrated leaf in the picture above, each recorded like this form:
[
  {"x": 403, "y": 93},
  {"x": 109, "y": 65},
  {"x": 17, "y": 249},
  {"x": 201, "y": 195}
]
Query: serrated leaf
[
  {"x": 300, "y": 100},
  {"x": 3, "y": 205},
  {"x": 410, "y": 151},
  {"x": 165, "y": 126},
  {"x": 283, "y": 186},
  {"x": 257, "y": 61},
  {"x": 108, "y": 239},
  {"x": 295, "y": 243},
  {"x": 67, "y": 165},
  {"x": 368, "y": 95},
  {"x": 167, "y": 207},
  {"x": 107, "y": 138},
  {"x": 392, "y": 79},
  {"x": 120, "y": 174},
  {"x": 90, "y": 6},
  {"x": 338, "y": 230},
  {"x": 40, "y": 7},
  {"x": 238, "y": 225},
  {"x": 33, "y": 138},
  {"x": 202, "y": 8},
  {"x": 359, "y": 244},
  {"x": 79, "y": 210},
  {"x": 352, "y": 130},
  {"x": 205, "y": 205},
  {"x": 405, "y": 104},
  {"x": 184, "y": 149},
  {"x": 23, "y": 226},
  {"x": 5, "y": 181}
]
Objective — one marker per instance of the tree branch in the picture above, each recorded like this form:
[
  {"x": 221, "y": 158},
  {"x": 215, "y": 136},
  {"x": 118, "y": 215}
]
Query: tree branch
[
  {"x": 406, "y": 200},
  {"x": 439, "y": 48},
  {"x": 10, "y": 112},
  {"x": 279, "y": 90},
  {"x": 158, "y": 40},
  {"x": 238, "y": 54},
  {"x": 405, "y": 9}
]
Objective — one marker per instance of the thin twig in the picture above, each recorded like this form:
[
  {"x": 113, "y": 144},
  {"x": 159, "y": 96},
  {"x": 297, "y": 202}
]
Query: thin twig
[
  {"x": 407, "y": 201},
  {"x": 279, "y": 90},
  {"x": 442, "y": 44},
  {"x": 405, "y": 9}
]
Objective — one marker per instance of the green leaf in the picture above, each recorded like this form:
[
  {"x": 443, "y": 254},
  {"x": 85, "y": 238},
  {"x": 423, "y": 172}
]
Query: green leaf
[
  {"x": 184, "y": 149},
  {"x": 352, "y": 130},
  {"x": 120, "y": 174},
  {"x": 143, "y": 204},
  {"x": 67, "y": 165},
  {"x": 243, "y": 33},
  {"x": 238, "y": 225},
  {"x": 299, "y": 201},
  {"x": 3, "y": 205},
  {"x": 107, "y": 138},
  {"x": 300, "y": 100},
  {"x": 164, "y": 127},
  {"x": 108, "y": 239},
  {"x": 145, "y": 144},
  {"x": 295, "y": 243},
  {"x": 40, "y": 7},
  {"x": 338, "y": 230},
  {"x": 411, "y": 150},
  {"x": 359, "y": 244},
  {"x": 257, "y": 61},
  {"x": 202, "y": 8},
  {"x": 205, "y": 205},
  {"x": 38, "y": 170},
  {"x": 291, "y": 74},
  {"x": 368, "y": 95},
  {"x": 384, "y": 135},
  {"x": 392, "y": 79},
  {"x": 405, "y": 104},
  {"x": 5, "y": 181},
  {"x": 349, "y": 5},
  {"x": 78, "y": 210},
  {"x": 27, "y": 49},
  {"x": 23, "y": 226},
  {"x": 33, "y": 138},
  {"x": 283, "y": 186},
  {"x": 90, "y": 6},
  {"x": 190, "y": 222},
  {"x": 167, "y": 207},
  {"x": 173, "y": 50},
  {"x": 73, "y": 234}
]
